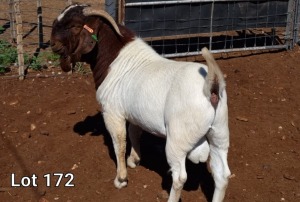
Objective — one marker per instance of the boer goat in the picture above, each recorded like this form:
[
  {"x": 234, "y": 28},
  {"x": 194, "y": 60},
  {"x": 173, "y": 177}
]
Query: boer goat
[{"x": 184, "y": 102}]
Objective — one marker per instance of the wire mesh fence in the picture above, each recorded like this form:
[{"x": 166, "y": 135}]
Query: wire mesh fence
[
  {"x": 37, "y": 17},
  {"x": 36, "y": 20}
]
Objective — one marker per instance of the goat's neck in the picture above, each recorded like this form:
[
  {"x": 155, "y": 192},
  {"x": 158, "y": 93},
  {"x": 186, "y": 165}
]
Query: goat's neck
[{"x": 109, "y": 46}]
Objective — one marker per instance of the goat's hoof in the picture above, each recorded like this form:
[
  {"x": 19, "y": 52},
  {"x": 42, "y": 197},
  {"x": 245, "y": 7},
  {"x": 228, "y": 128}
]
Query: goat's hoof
[
  {"x": 132, "y": 163},
  {"x": 120, "y": 183}
]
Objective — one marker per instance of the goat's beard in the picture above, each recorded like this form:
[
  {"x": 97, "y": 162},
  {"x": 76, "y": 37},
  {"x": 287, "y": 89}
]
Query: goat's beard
[
  {"x": 68, "y": 55},
  {"x": 67, "y": 61}
]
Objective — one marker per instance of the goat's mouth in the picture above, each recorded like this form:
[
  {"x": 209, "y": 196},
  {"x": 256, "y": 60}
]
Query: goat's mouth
[{"x": 57, "y": 48}]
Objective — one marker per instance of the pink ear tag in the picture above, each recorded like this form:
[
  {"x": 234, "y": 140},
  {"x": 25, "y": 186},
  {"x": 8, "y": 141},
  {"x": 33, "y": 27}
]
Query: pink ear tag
[{"x": 90, "y": 30}]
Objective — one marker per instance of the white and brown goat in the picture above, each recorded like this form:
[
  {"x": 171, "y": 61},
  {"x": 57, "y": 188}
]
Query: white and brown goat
[{"x": 184, "y": 102}]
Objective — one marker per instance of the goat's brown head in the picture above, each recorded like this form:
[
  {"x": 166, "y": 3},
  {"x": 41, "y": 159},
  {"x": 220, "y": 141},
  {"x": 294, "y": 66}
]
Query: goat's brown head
[{"x": 72, "y": 32}]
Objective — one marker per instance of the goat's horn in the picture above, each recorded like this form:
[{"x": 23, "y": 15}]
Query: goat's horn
[{"x": 89, "y": 11}]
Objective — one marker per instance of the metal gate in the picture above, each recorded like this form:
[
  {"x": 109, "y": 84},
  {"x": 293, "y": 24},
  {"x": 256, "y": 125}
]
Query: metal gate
[{"x": 182, "y": 27}]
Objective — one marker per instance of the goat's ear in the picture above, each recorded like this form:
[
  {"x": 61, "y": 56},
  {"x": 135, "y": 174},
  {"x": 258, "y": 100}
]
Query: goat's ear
[{"x": 86, "y": 43}]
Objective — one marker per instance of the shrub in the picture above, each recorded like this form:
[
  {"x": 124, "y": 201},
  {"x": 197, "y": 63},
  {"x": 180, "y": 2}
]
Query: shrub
[
  {"x": 8, "y": 55},
  {"x": 2, "y": 29},
  {"x": 41, "y": 60}
]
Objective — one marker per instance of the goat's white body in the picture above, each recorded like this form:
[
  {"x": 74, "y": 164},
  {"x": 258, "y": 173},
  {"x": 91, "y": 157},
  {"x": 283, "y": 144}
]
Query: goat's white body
[
  {"x": 150, "y": 90},
  {"x": 165, "y": 98}
]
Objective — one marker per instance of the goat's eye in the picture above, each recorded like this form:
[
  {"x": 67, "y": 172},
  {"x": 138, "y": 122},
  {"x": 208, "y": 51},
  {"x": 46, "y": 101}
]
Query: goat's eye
[
  {"x": 70, "y": 26},
  {"x": 73, "y": 28}
]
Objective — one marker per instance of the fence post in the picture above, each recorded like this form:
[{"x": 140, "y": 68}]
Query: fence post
[
  {"x": 121, "y": 11},
  {"x": 297, "y": 22},
  {"x": 211, "y": 24},
  {"x": 40, "y": 23},
  {"x": 11, "y": 21},
  {"x": 19, "y": 39}
]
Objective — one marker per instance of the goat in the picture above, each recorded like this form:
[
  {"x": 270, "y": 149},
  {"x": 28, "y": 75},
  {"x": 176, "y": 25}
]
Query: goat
[{"x": 185, "y": 102}]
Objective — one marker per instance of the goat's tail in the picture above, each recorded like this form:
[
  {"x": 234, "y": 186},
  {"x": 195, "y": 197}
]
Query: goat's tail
[{"x": 214, "y": 80}]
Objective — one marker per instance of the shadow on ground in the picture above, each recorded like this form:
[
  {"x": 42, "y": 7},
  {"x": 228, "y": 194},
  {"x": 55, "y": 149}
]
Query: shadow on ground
[{"x": 153, "y": 156}]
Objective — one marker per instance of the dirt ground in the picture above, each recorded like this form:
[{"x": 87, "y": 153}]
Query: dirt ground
[{"x": 52, "y": 125}]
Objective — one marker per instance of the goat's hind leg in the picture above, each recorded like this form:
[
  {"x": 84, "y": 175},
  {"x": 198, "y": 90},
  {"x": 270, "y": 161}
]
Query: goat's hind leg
[
  {"x": 135, "y": 133},
  {"x": 176, "y": 159},
  {"x": 219, "y": 143},
  {"x": 116, "y": 126}
]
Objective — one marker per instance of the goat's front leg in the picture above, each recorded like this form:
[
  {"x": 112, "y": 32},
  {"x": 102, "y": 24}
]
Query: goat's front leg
[
  {"x": 116, "y": 126},
  {"x": 135, "y": 133}
]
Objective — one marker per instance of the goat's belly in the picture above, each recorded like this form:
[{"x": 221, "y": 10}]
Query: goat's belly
[
  {"x": 151, "y": 127},
  {"x": 149, "y": 122}
]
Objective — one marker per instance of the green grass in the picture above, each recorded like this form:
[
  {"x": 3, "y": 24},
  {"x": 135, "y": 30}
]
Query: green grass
[
  {"x": 81, "y": 68},
  {"x": 9, "y": 56}
]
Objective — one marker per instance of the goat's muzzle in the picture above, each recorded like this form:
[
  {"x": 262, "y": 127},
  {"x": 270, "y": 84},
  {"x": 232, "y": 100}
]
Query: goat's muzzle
[
  {"x": 57, "y": 47},
  {"x": 65, "y": 59}
]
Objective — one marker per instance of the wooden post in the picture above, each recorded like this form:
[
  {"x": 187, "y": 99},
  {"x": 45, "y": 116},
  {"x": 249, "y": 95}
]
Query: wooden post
[
  {"x": 19, "y": 38},
  {"x": 12, "y": 21},
  {"x": 121, "y": 12},
  {"x": 40, "y": 23}
]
